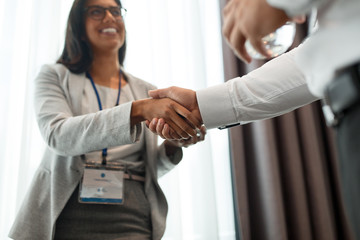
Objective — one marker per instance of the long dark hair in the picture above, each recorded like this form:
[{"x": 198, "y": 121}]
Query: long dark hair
[{"x": 77, "y": 55}]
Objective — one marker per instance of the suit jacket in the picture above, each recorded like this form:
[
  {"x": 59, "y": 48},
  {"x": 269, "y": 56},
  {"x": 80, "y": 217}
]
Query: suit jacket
[{"x": 69, "y": 134}]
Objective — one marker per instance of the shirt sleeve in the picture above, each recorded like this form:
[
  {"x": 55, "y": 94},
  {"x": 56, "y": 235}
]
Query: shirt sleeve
[
  {"x": 296, "y": 7},
  {"x": 271, "y": 90}
]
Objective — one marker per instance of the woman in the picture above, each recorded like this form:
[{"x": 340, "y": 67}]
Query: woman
[{"x": 88, "y": 113}]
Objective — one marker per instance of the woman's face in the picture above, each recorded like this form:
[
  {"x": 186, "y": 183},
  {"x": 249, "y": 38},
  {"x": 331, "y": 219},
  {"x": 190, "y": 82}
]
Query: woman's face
[{"x": 107, "y": 33}]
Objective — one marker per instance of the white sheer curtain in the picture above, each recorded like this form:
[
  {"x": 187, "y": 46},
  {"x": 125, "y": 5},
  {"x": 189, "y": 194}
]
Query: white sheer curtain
[{"x": 169, "y": 43}]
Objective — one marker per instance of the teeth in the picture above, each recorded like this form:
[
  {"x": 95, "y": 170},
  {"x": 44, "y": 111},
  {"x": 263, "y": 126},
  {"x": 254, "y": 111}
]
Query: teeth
[{"x": 109, "y": 30}]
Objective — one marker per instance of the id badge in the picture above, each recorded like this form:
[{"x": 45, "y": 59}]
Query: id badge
[{"x": 102, "y": 186}]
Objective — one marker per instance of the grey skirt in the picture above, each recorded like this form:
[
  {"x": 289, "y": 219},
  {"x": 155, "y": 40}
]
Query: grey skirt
[{"x": 130, "y": 221}]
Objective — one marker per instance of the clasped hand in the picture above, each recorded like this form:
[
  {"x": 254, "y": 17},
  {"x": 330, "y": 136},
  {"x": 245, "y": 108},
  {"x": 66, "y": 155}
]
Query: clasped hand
[{"x": 163, "y": 128}]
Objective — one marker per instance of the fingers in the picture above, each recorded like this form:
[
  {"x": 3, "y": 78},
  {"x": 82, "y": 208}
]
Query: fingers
[
  {"x": 259, "y": 46},
  {"x": 152, "y": 126},
  {"x": 147, "y": 122},
  {"x": 237, "y": 43},
  {"x": 160, "y": 93},
  {"x": 159, "y": 127},
  {"x": 185, "y": 97},
  {"x": 180, "y": 126},
  {"x": 202, "y": 133},
  {"x": 229, "y": 22},
  {"x": 180, "y": 120},
  {"x": 168, "y": 133},
  {"x": 164, "y": 130},
  {"x": 233, "y": 34},
  {"x": 193, "y": 140},
  {"x": 299, "y": 19}
]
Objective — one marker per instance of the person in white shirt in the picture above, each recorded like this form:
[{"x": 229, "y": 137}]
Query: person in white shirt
[{"x": 326, "y": 66}]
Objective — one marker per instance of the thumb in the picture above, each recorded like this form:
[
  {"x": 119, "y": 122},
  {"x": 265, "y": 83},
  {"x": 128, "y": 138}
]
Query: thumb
[
  {"x": 299, "y": 19},
  {"x": 159, "y": 93}
]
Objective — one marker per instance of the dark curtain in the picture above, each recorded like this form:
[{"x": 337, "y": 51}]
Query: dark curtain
[{"x": 285, "y": 171}]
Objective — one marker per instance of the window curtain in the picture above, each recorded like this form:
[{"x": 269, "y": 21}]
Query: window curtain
[
  {"x": 169, "y": 43},
  {"x": 285, "y": 171}
]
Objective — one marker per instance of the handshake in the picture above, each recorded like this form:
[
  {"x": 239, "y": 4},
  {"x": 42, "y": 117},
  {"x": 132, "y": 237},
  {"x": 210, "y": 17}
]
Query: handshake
[{"x": 173, "y": 114}]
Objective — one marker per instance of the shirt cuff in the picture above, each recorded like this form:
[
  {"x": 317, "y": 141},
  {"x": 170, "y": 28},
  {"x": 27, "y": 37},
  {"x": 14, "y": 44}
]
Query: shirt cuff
[
  {"x": 135, "y": 132},
  {"x": 295, "y": 8},
  {"x": 215, "y": 106}
]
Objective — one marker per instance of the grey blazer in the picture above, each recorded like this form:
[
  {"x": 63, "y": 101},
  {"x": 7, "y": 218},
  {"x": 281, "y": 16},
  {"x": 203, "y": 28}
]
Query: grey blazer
[{"x": 68, "y": 135}]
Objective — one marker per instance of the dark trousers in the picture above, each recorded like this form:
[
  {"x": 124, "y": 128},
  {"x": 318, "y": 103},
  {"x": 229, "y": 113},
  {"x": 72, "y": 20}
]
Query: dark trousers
[
  {"x": 348, "y": 142},
  {"x": 130, "y": 221}
]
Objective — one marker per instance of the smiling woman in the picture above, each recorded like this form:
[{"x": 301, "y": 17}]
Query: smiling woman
[
  {"x": 80, "y": 191},
  {"x": 168, "y": 43},
  {"x": 104, "y": 25}
]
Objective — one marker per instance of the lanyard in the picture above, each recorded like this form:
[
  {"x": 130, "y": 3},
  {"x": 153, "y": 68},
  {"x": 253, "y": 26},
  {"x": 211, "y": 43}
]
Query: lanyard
[{"x": 104, "y": 151}]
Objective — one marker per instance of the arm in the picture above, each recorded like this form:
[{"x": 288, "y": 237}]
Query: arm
[
  {"x": 71, "y": 135},
  {"x": 295, "y": 8},
  {"x": 273, "y": 89}
]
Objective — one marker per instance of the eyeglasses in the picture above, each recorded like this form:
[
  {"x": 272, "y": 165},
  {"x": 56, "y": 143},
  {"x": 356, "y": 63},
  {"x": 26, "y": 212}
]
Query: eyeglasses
[{"x": 98, "y": 12}]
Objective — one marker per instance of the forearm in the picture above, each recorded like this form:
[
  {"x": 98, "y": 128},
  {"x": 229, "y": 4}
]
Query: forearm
[
  {"x": 273, "y": 89},
  {"x": 68, "y": 135}
]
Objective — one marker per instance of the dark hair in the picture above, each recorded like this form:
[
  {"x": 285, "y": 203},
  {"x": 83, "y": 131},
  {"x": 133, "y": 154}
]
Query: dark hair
[{"x": 77, "y": 55}]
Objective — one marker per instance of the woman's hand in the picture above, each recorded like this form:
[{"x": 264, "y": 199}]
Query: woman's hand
[
  {"x": 161, "y": 128},
  {"x": 181, "y": 121},
  {"x": 200, "y": 136}
]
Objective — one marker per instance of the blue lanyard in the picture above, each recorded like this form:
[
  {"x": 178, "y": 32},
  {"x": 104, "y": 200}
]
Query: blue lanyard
[{"x": 104, "y": 151}]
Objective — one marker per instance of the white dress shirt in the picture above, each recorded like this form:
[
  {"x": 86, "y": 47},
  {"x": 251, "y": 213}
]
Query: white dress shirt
[
  {"x": 276, "y": 88},
  {"x": 333, "y": 46},
  {"x": 289, "y": 81}
]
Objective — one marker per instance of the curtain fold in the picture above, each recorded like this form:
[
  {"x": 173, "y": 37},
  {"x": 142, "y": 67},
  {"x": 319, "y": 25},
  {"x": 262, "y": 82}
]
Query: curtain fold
[{"x": 284, "y": 171}]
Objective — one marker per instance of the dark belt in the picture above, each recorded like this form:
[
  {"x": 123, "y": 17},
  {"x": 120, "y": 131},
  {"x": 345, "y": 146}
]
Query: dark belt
[{"x": 342, "y": 94}]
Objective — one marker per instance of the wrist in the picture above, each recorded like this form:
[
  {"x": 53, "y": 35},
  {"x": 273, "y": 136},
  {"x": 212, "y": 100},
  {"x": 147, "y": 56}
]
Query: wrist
[{"x": 137, "y": 112}]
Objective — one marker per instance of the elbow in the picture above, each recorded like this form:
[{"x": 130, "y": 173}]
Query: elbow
[{"x": 61, "y": 145}]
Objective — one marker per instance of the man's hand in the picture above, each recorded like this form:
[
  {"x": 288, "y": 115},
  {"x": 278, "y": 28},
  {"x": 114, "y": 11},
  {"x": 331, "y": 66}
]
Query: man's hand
[
  {"x": 185, "y": 97},
  {"x": 250, "y": 20}
]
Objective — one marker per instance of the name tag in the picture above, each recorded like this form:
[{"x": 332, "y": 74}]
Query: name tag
[{"x": 102, "y": 186}]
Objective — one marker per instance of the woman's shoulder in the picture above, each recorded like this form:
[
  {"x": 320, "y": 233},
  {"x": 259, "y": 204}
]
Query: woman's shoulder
[
  {"x": 56, "y": 67},
  {"x": 57, "y": 71},
  {"x": 53, "y": 71}
]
